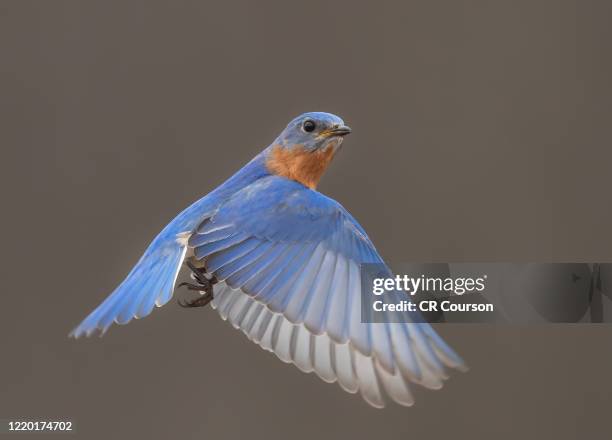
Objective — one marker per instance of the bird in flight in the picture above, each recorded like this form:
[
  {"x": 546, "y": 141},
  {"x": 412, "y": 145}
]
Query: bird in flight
[{"x": 281, "y": 261}]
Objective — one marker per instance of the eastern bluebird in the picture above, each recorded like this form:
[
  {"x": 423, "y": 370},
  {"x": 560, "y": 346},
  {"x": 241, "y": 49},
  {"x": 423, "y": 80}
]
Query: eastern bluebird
[{"x": 281, "y": 262}]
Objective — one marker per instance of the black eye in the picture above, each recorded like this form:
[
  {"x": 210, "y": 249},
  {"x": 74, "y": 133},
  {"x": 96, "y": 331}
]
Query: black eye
[{"x": 309, "y": 125}]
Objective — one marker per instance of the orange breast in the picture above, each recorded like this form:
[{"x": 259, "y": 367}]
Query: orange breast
[{"x": 299, "y": 164}]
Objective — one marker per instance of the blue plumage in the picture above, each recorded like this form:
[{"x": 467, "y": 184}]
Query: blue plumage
[{"x": 286, "y": 261}]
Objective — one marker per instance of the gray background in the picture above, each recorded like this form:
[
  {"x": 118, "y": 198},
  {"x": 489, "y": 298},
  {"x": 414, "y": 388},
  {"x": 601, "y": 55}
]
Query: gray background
[{"x": 481, "y": 133}]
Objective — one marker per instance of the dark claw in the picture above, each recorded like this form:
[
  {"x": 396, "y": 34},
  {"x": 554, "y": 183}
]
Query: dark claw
[
  {"x": 198, "y": 273},
  {"x": 197, "y": 287},
  {"x": 199, "y": 277},
  {"x": 202, "y": 284},
  {"x": 197, "y": 302}
]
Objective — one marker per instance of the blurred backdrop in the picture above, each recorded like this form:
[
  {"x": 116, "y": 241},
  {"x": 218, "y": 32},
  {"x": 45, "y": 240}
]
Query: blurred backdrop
[{"x": 481, "y": 133}]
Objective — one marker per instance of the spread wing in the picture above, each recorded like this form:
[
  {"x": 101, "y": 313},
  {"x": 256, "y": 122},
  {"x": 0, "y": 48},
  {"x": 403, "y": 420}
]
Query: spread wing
[{"x": 288, "y": 259}]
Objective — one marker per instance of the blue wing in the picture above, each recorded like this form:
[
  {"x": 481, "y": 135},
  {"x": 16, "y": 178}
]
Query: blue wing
[
  {"x": 151, "y": 281},
  {"x": 289, "y": 262}
]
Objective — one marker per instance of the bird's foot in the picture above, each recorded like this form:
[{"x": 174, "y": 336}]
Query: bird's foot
[
  {"x": 202, "y": 284},
  {"x": 200, "y": 301},
  {"x": 198, "y": 273}
]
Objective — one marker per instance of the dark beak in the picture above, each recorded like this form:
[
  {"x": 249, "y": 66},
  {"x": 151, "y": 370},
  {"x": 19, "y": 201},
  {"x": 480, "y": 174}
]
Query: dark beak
[{"x": 342, "y": 130}]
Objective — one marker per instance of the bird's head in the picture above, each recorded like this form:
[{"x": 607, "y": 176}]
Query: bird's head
[
  {"x": 306, "y": 146},
  {"x": 313, "y": 131}
]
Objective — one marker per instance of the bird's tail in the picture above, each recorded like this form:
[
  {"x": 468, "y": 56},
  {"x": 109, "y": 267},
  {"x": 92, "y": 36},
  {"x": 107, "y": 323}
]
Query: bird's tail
[{"x": 151, "y": 282}]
